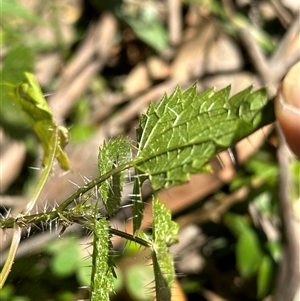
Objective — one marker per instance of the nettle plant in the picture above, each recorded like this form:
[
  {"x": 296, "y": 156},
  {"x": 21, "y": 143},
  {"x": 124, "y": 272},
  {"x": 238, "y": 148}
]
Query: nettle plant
[{"x": 175, "y": 138}]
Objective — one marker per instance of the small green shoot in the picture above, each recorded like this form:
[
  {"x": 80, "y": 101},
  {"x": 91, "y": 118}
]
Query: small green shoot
[
  {"x": 102, "y": 280},
  {"x": 176, "y": 138}
]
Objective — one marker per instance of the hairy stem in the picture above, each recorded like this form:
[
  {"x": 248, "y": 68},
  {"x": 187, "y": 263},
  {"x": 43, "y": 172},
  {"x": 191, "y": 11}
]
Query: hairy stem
[
  {"x": 92, "y": 184},
  {"x": 131, "y": 237}
]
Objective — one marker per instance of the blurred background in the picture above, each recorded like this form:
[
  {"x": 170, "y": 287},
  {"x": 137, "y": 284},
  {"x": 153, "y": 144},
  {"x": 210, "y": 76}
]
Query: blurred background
[{"x": 100, "y": 63}]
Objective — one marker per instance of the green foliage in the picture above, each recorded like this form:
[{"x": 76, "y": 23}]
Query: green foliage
[
  {"x": 7, "y": 293},
  {"x": 263, "y": 167},
  {"x": 102, "y": 279},
  {"x": 248, "y": 249},
  {"x": 178, "y": 136},
  {"x": 84, "y": 271},
  {"x": 138, "y": 279},
  {"x": 295, "y": 188},
  {"x": 259, "y": 35},
  {"x": 12, "y": 8},
  {"x": 17, "y": 60},
  {"x": 82, "y": 128},
  {"x": 146, "y": 24},
  {"x": 29, "y": 97},
  {"x": 257, "y": 254},
  {"x": 111, "y": 155},
  {"x": 248, "y": 253},
  {"x": 233, "y": 23},
  {"x": 82, "y": 132},
  {"x": 165, "y": 231},
  {"x": 165, "y": 234},
  {"x": 65, "y": 257},
  {"x": 265, "y": 273},
  {"x": 235, "y": 223},
  {"x": 251, "y": 256},
  {"x": 152, "y": 33}
]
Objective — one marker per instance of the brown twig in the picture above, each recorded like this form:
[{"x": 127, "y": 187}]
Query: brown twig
[
  {"x": 289, "y": 275},
  {"x": 88, "y": 61},
  {"x": 258, "y": 59},
  {"x": 174, "y": 21},
  {"x": 283, "y": 14},
  {"x": 287, "y": 52},
  {"x": 289, "y": 272}
]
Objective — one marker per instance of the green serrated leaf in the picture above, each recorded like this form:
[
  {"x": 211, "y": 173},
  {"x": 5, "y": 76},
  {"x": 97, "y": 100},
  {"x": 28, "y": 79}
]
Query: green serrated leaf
[
  {"x": 111, "y": 155},
  {"x": 165, "y": 234},
  {"x": 29, "y": 97},
  {"x": 102, "y": 279},
  {"x": 182, "y": 132},
  {"x": 165, "y": 231}
]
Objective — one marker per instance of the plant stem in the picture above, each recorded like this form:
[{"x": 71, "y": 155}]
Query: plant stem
[
  {"x": 92, "y": 184},
  {"x": 131, "y": 237},
  {"x": 35, "y": 218},
  {"x": 11, "y": 255},
  {"x": 32, "y": 201}
]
